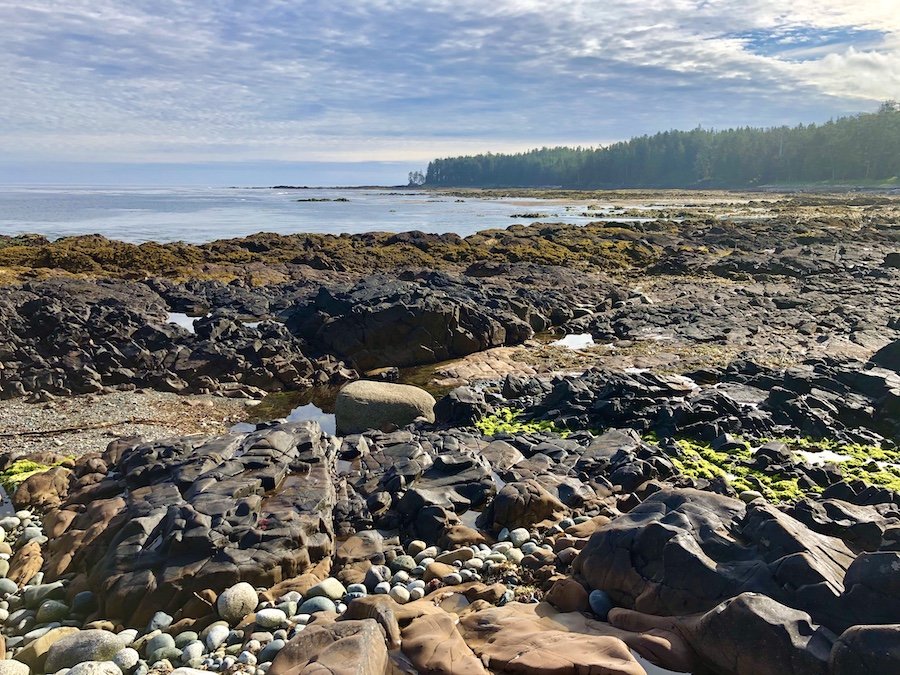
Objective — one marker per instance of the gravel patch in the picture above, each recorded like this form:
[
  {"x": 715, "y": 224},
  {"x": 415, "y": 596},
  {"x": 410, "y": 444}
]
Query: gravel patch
[{"x": 81, "y": 424}]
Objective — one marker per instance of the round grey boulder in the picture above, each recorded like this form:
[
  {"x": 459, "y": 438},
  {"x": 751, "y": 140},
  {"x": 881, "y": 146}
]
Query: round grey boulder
[
  {"x": 86, "y": 645},
  {"x": 364, "y": 405},
  {"x": 234, "y": 603}
]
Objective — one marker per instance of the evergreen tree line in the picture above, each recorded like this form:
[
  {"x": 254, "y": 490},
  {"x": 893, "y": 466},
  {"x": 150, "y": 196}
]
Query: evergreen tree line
[{"x": 862, "y": 148}]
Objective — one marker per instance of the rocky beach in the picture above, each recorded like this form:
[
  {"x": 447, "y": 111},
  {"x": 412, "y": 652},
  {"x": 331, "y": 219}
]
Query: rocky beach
[{"x": 662, "y": 441}]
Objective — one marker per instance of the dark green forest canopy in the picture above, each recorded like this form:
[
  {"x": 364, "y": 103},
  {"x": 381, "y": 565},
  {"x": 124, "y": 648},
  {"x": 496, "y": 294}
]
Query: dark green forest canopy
[{"x": 860, "y": 149}]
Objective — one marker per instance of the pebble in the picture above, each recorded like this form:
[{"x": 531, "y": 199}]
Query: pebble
[
  {"x": 95, "y": 668},
  {"x": 160, "y": 621},
  {"x": 271, "y": 618},
  {"x": 519, "y": 536},
  {"x": 403, "y": 563},
  {"x": 331, "y": 588},
  {"x": 127, "y": 658},
  {"x": 270, "y": 651},
  {"x": 416, "y": 594},
  {"x": 600, "y": 603},
  {"x": 382, "y": 588},
  {"x": 247, "y": 658},
  {"x": 415, "y": 547},
  {"x": 7, "y": 586},
  {"x": 52, "y": 610},
  {"x": 216, "y": 635},
  {"x": 10, "y": 523},
  {"x": 317, "y": 604},
  {"x": 399, "y": 594}
]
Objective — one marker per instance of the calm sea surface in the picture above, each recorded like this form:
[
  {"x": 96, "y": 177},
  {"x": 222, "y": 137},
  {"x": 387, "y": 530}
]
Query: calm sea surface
[{"x": 205, "y": 214}]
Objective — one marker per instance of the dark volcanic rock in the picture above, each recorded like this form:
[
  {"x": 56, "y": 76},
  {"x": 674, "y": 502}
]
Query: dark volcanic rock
[
  {"x": 192, "y": 515},
  {"x": 385, "y": 322}
]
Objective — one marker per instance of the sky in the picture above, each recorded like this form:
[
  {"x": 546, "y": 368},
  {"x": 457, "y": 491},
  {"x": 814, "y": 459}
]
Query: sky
[{"x": 326, "y": 92}]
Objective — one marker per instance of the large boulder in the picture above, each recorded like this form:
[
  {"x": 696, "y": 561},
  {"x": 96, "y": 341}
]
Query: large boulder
[
  {"x": 348, "y": 647},
  {"x": 684, "y": 551},
  {"x": 364, "y": 405},
  {"x": 383, "y": 321}
]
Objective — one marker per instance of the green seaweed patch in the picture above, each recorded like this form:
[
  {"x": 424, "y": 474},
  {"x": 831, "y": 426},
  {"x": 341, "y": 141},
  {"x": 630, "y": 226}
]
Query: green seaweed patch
[
  {"x": 700, "y": 461},
  {"x": 507, "y": 421},
  {"x": 17, "y": 472},
  {"x": 872, "y": 464}
]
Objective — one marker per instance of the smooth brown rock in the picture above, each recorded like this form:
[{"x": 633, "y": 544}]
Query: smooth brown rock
[
  {"x": 342, "y": 648},
  {"x": 537, "y": 640},
  {"x": 43, "y": 490},
  {"x": 438, "y": 570},
  {"x": 567, "y": 595},
  {"x": 433, "y": 645},
  {"x": 26, "y": 562}
]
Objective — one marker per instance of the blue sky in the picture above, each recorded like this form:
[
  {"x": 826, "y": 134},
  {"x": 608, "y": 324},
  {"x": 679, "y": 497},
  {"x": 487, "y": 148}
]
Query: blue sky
[{"x": 226, "y": 91}]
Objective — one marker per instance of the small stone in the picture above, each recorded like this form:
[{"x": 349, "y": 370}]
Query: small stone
[
  {"x": 504, "y": 534},
  {"x": 271, "y": 618},
  {"x": 459, "y": 555},
  {"x": 10, "y": 523},
  {"x": 270, "y": 651},
  {"x": 403, "y": 563},
  {"x": 127, "y": 658},
  {"x": 216, "y": 634},
  {"x": 331, "y": 588},
  {"x": 247, "y": 658},
  {"x": 185, "y": 638},
  {"x": 529, "y": 547},
  {"x": 453, "y": 579},
  {"x": 519, "y": 536},
  {"x": 192, "y": 651},
  {"x": 160, "y": 621},
  {"x": 157, "y": 642},
  {"x": 415, "y": 547},
  {"x": 400, "y": 595},
  {"x": 600, "y": 604},
  {"x": 128, "y": 636},
  {"x": 515, "y": 555},
  {"x": 7, "y": 586},
  {"x": 236, "y": 602},
  {"x": 359, "y": 589},
  {"x": 416, "y": 594},
  {"x": 383, "y": 588},
  {"x": 317, "y": 604},
  {"x": 52, "y": 610}
]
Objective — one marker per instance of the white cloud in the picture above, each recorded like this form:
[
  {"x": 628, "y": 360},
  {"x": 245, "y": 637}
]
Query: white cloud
[{"x": 184, "y": 80}]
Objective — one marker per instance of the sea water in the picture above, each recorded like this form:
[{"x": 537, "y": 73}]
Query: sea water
[{"x": 197, "y": 215}]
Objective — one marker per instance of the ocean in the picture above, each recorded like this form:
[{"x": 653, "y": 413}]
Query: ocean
[{"x": 197, "y": 214}]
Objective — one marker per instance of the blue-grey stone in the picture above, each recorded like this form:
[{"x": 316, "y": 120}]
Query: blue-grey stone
[
  {"x": 317, "y": 604},
  {"x": 600, "y": 604}
]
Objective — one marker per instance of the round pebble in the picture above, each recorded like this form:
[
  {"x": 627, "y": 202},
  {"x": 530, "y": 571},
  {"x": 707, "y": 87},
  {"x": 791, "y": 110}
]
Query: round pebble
[
  {"x": 600, "y": 604},
  {"x": 400, "y": 595},
  {"x": 272, "y": 618},
  {"x": 317, "y": 604}
]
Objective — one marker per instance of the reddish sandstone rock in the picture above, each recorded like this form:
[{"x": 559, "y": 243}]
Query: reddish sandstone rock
[
  {"x": 433, "y": 645},
  {"x": 44, "y": 490},
  {"x": 537, "y": 640},
  {"x": 342, "y": 648},
  {"x": 567, "y": 595},
  {"x": 26, "y": 562}
]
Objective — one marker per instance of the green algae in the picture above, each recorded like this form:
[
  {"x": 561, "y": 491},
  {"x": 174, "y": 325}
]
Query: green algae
[
  {"x": 506, "y": 421},
  {"x": 871, "y": 464},
  {"x": 17, "y": 472}
]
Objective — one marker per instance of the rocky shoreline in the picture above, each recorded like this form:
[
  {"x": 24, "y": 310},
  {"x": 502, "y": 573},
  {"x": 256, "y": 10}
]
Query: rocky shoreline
[{"x": 713, "y": 487}]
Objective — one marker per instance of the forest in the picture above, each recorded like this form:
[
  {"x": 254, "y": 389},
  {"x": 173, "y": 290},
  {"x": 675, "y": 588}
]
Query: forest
[{"x": 860, "y": 149}]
